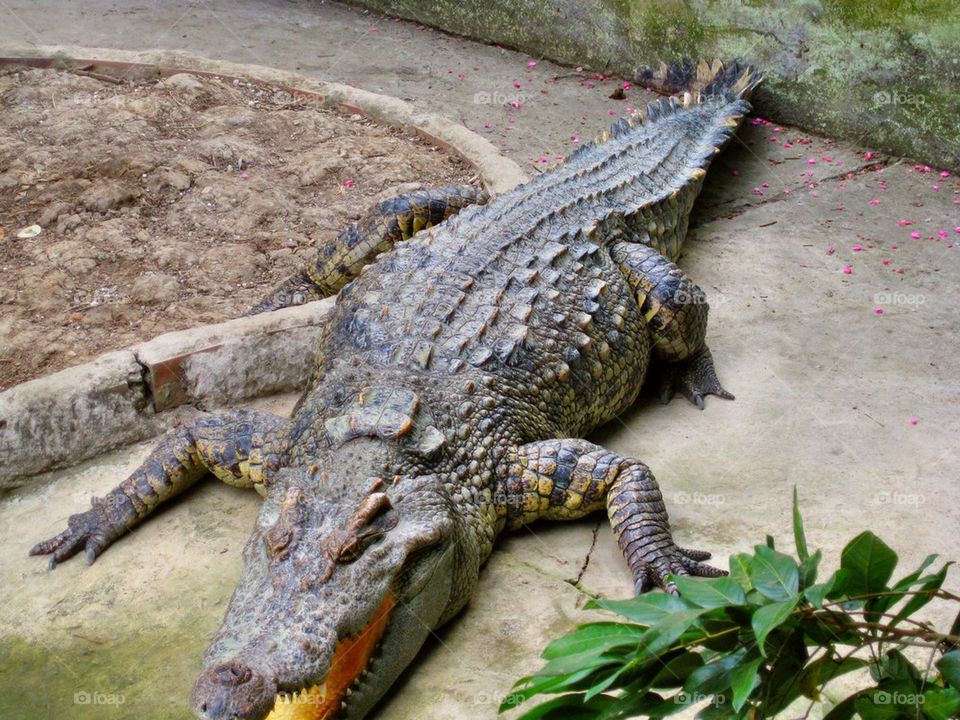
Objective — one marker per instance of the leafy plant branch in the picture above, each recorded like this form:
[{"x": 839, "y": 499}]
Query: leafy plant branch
[{"x": 759, "y": 642}]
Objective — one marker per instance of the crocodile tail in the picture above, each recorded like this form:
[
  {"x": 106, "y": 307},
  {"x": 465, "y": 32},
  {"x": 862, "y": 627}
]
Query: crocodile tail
[{"x": 696, "y": 81}]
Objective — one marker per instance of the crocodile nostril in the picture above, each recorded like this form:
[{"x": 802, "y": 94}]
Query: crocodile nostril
[{"x": 231, "y": 674}]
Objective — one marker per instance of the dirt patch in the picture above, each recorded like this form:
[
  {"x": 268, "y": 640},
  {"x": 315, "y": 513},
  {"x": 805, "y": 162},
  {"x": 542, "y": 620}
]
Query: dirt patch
[{"x": 169, "y": 204}]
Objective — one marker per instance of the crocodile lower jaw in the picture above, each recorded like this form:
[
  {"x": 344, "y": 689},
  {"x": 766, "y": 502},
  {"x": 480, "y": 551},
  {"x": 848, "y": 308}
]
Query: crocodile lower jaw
[{"x": 350, "y": 659}]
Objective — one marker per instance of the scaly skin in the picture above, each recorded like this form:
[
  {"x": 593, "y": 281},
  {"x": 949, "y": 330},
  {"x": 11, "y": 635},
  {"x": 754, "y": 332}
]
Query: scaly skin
[{"x": 457, "y": 376}]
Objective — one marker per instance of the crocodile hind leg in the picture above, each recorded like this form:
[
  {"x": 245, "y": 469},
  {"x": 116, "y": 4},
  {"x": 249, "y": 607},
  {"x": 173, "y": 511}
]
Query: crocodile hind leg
[
  {"x": 386, "y": 224},
  {"x": 240, "y": 448},
  {"x": 567, "y": 479},
  {"x": 676, "y": 313}
]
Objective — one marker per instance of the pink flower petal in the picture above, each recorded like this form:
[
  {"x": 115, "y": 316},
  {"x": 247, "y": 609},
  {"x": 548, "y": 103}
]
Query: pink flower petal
[
  {"x": 348, "y": 183},
  {"x": 942, "y": 233},
  {"x": 857, "y": 248},
  {"x": 915, "y": 235},
  {"x": 912, "y": 420},
  {"x": 811, "y": 161},
  {"x": 531, "y": 64},
  {"x": 847, "y": 270},
  {"x": 878, "y": 310},
  {"x": 875, "y": 201},
  {"x": 831, "y": 250}
]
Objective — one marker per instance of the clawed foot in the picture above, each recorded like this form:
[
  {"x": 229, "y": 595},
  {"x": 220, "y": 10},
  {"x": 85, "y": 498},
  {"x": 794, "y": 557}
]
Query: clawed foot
[
  {"x": 695, "y": 378},
  {"x": 659, "y": 564},
  {"x": 93, "y": 530}
]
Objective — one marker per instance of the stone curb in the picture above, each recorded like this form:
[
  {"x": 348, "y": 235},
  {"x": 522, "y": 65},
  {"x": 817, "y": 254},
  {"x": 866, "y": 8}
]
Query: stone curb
[
  {"x": 119, "y": 398},
  {"x": 60, "y": 419}
]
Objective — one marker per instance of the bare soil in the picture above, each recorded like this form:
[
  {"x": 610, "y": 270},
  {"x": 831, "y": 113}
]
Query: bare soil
[{"x": 169, "y": 204}]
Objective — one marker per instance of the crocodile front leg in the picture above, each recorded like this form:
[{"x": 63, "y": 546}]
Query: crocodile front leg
[
  {"x": 676, "y": 311},
  {"x": 382, "y": 227},
  {"x": 240, "y": 448},
  {"x": 569, "y": 478}
]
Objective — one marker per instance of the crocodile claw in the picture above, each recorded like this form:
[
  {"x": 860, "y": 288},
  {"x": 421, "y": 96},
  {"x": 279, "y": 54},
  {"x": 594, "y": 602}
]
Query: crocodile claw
[
  {"x": 92, "y": 531},
  {"x": 659, "y": 565},
  {"x": 695, "y": 378}
]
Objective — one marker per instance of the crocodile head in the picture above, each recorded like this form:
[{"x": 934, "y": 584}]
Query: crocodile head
[{"x": 342, "y": 584}]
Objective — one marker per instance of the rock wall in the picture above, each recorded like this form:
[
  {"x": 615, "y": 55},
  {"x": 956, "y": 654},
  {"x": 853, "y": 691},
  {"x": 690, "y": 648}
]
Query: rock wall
[{"x": 885, "y": 73}]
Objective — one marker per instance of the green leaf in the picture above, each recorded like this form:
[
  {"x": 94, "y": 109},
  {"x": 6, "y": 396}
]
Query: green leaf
[
  {"x": 941, "y": 703},
  {"x": 808, "y": 570},
  {"x": 869, "y": 562},
  {"x": 716, "y": 676},
  {"x": 906, "y": 582},
  {"x": 527, "y": 687},
  {"x": 896, "y": 666},
  {"x": 815, "y": 594},
  {"x": 742, "y": 679},
  {"x": 770, "y": 617},
  {"x": 712, "y": 593},
  {"x": 876, "y": 707},
  {"x": 826, "y": 668},
  {"x": 774, "y": 574},
  {"x": 949, "y": 667},
  {"x": 789, "y": 655},
  {"x": 843, "y": 710},
  {"x": 799, "y": 537},
  {"x": 568, "y": 707},
  {"x": 599, "y": 637},
  {"x": 677, "y": 670},
  {"x": 740, "y": 565},
  {"x": 930, "y": 584},
  {"x": 662, "y": 635},
  {"x": 646, "y": 609}
]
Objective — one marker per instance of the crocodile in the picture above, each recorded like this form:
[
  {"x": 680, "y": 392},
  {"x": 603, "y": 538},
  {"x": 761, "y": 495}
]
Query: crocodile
[{"x": 473, "y": 344}]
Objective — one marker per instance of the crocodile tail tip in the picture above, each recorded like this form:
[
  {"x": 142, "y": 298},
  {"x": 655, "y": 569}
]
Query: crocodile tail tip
[{"x": 699, "y": 79}]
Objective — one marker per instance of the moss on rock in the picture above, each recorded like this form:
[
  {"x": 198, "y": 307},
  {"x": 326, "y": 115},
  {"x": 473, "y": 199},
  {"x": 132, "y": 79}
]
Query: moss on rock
[{"x": 884, "y": 73}]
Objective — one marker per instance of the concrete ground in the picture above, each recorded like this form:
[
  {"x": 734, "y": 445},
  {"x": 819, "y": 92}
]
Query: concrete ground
[{"x": 832, "y": 325}]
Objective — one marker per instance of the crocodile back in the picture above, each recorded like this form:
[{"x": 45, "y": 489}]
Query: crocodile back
[{"x": 524, "y": 289}]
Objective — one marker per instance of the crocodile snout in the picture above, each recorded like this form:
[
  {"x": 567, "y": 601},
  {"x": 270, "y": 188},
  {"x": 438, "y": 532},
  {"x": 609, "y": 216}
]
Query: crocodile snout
[{"x": 233, "y": 691}]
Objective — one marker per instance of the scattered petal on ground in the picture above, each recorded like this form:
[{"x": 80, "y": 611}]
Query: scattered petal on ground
[{"x": 878, "y": 310}]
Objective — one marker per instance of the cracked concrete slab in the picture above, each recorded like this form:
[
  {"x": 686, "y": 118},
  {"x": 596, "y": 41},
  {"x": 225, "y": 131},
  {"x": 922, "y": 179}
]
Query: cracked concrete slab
[{"x": 826, "y": 389}]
